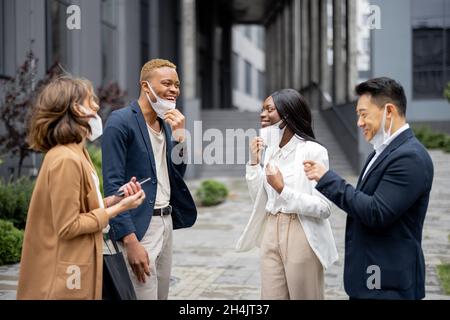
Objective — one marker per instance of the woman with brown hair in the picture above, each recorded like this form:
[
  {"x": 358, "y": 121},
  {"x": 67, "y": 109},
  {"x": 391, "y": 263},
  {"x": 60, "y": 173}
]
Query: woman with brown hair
[{"x": 63, "y": 244}]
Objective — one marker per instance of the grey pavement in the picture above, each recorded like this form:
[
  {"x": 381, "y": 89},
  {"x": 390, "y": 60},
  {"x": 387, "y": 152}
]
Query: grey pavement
[{"x": 206, "y": 266}]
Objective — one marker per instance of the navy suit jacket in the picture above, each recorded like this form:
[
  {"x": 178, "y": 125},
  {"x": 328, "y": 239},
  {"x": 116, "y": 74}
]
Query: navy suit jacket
[
  {"x": 127, "y": 152},
  {"x": 385, "y": 219}
]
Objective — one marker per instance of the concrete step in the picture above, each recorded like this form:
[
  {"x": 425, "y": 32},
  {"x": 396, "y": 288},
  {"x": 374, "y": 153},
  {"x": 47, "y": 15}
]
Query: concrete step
[
  {"x": 338, "y": 159},
  {"x": 229, "y": 119}
]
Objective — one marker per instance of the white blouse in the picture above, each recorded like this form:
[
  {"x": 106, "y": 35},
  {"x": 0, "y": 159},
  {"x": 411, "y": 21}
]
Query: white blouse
[
  {"x": 99, "y": 195},
  {"x": 299, "y": 196},
  {"x": 284, "y": 159}
]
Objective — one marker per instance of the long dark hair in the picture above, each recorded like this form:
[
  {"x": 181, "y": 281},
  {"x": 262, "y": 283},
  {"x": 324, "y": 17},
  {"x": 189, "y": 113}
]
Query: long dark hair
[{"x": 295, "y": 112}]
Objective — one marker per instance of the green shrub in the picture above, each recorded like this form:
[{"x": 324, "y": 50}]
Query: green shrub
[
  {"x": 433, "y": 140},
  {"x": 10, "y": 243},
  {"x": 14, "y": 200},
  {"x": 447, "y": 92},
  {"x": 212, "y": 192},
  {"x": 96, "y": 156},
  {"x": 444, "y": 276}
]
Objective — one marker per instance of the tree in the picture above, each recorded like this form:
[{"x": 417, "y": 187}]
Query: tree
[
  {"x": 111, "y": 97},
  {"x": 18, "y": 95}
]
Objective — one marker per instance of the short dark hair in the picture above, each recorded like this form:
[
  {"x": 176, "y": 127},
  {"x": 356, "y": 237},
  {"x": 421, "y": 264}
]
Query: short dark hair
[{"x": 384, "y": 90}]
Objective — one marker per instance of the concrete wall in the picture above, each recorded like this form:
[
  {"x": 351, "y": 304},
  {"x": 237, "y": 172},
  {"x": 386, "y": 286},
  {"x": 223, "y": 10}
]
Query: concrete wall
[
  {"x": 129, "y": 33},
  {"x": 392, "y": 57},
  {"x": 87, "y": 59},
  {"x": 26, "y": 21},
  {"x": 86, "y": 43}
]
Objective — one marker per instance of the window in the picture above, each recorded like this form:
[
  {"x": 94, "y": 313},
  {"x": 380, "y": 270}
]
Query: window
[
  {"x": 330, "y": 33},
  {"x": 431, "y": 47},
  {"x": 261, "y": 85},
  {"x": 329, "y": 82},
  {"x": 57, "y": 34},
  {"x": 260, "y": 40},
  {"x": 235, "y": 75},
  {"x": 2, "y": 37},
  {"x": 248, "y": 78},
  {"x": 344, "y": 29},
  {"x": 109, "y": 36},
  {"x": 363, "y": 40},
  {"x": 248, "y": 32}
]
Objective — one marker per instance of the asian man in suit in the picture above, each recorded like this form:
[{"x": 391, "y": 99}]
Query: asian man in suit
[{"x": 386, "y": 210}]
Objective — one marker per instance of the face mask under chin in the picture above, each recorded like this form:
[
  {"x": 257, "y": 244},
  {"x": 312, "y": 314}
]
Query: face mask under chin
[
  {"x": 272, "y": 134},
  {"x": 161, "y": 106},
  {"x": 381, "y": 135}
]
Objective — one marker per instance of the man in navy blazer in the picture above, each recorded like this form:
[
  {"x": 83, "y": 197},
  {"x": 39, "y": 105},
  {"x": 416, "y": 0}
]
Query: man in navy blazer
[
  {"x": 145, "y": 139},
  {"x": 386, "y": 210}
]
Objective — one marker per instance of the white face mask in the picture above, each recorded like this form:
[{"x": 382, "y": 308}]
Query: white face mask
[
  {"x": 96, "y": 125},
  {"x": 381, "y": 136},
  {"x": 161, "y": 106},
  {"x": 272, "y": 134}
]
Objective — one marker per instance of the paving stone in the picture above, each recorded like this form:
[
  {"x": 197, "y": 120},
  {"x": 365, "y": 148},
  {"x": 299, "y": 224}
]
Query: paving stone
[{"x": 206, "y": 266}]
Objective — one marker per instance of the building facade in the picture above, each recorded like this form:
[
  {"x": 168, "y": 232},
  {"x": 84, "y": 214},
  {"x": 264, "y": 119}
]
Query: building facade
[
  {"x": 231, "y": 54},
  {"x": 111, "y": 42},
  {"x": 413, "y": 46},
  {"x": 248, "y": 67},
  {"x": 114, "y": 39}
]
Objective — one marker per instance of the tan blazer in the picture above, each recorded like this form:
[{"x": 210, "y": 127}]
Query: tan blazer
[{"x": 62, "y": 248}]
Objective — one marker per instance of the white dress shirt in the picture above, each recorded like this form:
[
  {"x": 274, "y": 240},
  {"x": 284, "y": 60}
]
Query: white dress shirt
[
  {"x": 381, "y": 148},
  {"x": 284, "y": 159},
  {"x": 299, "y": 197}
]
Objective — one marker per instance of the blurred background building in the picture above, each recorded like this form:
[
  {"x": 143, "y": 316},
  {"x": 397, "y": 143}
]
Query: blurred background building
[
  {"x": 232, "y": 53},
  {"x": 413, "y": 47},
  {"x": 248, "y": 67}
]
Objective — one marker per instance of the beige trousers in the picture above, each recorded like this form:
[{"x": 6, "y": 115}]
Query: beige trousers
[
  {"x": 289, "y": 267},
  {"x": 157, "y": 241}
]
